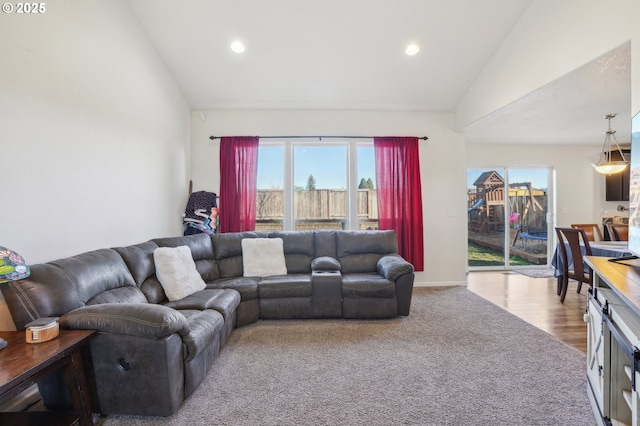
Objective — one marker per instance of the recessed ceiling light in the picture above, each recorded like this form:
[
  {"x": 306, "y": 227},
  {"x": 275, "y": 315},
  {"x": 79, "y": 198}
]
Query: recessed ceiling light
[
  {"x": 412, "y": 49},
  {"x": 237, "y": 46}
]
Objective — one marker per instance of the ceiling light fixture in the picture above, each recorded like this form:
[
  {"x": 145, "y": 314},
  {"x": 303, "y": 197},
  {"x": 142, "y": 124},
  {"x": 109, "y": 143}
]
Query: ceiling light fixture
[
  {"x": 605, "y": 165},
  {"x": 412, "y": 49},
  {"x": 237, "y": 46}
]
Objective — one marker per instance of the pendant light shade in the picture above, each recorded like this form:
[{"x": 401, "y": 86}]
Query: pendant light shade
[
  {"x": 611, "y": 167},
  {"x": 605, "y": 165}
]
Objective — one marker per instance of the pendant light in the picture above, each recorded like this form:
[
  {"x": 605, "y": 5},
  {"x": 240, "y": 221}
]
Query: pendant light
[{"x": 605, "y": 165}]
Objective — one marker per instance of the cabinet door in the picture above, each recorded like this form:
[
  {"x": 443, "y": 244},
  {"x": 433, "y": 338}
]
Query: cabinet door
[
  {"x": 635, "y": 404},
  {"x": 617, "y": 185},
  {"x": 595, "y": 352}
]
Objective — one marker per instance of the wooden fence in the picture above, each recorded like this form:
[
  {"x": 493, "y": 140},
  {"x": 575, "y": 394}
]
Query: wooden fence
[
  {"x": 316, "y": 204},
  {"x": 315, "y": 209}
]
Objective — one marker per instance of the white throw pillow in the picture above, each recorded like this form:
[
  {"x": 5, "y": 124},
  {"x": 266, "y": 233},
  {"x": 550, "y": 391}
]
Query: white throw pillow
[
  {"x": 177, "y": 272},
  {"x": 263, "y": 257}
]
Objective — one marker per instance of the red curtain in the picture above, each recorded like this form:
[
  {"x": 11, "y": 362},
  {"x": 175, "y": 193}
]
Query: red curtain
[
  {"x": 400, "y": 194},
  {"x": 238, "y": 182}
]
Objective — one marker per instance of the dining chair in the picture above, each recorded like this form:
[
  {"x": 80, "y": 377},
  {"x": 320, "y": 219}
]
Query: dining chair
[
  {"x": 592, "y": 230},
  {"x": 618, "y": 231},
  {"x": 575, "y": 238}
]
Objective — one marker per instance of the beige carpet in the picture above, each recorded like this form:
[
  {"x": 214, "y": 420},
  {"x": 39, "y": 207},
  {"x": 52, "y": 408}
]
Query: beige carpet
[{"x": 456, "y": 360}]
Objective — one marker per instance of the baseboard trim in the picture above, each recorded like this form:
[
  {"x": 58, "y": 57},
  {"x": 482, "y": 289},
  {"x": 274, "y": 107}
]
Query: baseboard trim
[{"x": 440, "y": 284}]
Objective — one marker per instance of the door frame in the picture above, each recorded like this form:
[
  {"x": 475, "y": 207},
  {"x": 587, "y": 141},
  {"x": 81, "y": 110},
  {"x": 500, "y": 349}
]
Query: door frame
[{"x": 550, "y": 216}]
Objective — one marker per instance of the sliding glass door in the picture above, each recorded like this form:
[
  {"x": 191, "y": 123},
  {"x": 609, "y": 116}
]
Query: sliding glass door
[{"x": 507, "y": 217}]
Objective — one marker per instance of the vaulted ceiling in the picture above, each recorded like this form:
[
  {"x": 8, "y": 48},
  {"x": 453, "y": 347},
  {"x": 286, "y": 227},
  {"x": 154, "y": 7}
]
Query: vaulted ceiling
[
  {"x": 569, "y": 110},
  {"x": 350, "y": 54}
]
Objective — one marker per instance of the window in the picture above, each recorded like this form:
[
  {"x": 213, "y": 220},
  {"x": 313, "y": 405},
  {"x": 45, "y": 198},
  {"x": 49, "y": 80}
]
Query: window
[
  {"x": 507, "y": 221},
  {"x": 367, "y": 197},
  {"x": 270, "y": 194},
  {"x": 330, "y": 186},
  {"x": 320, "y": 187}
]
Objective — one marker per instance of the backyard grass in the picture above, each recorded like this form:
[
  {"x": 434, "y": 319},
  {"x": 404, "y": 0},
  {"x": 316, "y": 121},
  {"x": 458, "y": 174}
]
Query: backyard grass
[{"x": 485, "y": 256}]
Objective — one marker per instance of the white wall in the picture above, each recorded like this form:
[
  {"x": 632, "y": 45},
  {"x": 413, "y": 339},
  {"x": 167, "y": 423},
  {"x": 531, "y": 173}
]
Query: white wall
[
  {"x": 94, "y": 134},
  {"x": 444, "y": 160},
  {"x": 442, "y": 163},
  {"x": 551, "y": 39}
]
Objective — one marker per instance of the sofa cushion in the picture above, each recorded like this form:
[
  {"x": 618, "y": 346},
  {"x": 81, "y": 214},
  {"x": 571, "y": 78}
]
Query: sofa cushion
[
  {"x": 292, "y": 285},
  {"x": 139, "y": 260},
  {"x": 359, "y": 263},
  {"x": 325, "y": 263},
  {"x": 224, "y": 301},
  {"x": 119, "y": 295},
  {"x": 359, "y": 251},
  {"x": 325, "y": 243},
  {"x": 96, "y": 271},
  {"x": 298, "y": 250},
  {"x": 246, "y": 286},
  {"x": 153, "y": 290},
  {"x": 201, "y": 252},
  {"x": 177, "y": 272},
  {"x": 263, "y": 257},
  {"x": 47, "y": 292},
  {"x": 393, "y": 266},
  {"x": 204, "y": 327},
  {"x": 227, "y": 250},
  {"x": 371, "y": 285},
  {"x": 134, "y": 319}
]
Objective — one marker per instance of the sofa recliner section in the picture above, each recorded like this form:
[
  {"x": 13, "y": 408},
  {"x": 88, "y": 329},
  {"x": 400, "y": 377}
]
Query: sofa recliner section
[{"x": 149, "y": 353}]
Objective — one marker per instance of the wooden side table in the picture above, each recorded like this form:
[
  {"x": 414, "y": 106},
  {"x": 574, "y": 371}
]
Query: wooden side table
[{"x": 23, "y": 365}]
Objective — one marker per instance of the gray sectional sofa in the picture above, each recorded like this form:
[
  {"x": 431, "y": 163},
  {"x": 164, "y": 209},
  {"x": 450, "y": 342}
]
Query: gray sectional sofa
[{"x": 151, "y": 353}]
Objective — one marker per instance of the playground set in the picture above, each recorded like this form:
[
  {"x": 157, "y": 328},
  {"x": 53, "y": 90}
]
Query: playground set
[{"x": 526, "y": 220}]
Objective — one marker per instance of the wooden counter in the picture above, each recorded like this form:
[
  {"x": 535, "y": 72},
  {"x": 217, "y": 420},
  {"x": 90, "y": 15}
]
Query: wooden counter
[{"x": 623, "y": 278}]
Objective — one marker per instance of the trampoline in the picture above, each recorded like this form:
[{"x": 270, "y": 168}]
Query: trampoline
[{"x": 533, "y": 235}]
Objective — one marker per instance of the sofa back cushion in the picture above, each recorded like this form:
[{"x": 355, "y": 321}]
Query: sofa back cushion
[
  {"x": 47, "y": 292},
  {"x": 129, "y": 294},
  {"x": 139, "y": 260},
  {"x": 201, "y": 250},
  {"x": 359, "y": 251},
  {"x": 299, "y": 250},
  {"x": 325, "y": 244},
  {"x": 227, "y": 249},
  {"x": 99, "y": 271},
  {"x": 60, "y": 286}
]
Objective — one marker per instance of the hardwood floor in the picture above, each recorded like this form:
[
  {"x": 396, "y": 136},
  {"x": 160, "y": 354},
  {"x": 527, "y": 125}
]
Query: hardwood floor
[{"x": 535, "y": 301}]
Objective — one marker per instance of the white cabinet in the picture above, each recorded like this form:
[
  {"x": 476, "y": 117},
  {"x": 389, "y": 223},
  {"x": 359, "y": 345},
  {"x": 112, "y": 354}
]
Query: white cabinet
[
  {"x": 613, "y": 342},
  {"x": 595, "y": 353}
]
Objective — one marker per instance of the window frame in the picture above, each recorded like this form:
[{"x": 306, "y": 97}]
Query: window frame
[{"x": 288, "y": 146}]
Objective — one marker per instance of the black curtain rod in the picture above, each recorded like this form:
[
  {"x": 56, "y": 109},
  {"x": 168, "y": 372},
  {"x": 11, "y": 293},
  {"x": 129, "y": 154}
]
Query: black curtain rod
[{"x": 424, "y": 138}]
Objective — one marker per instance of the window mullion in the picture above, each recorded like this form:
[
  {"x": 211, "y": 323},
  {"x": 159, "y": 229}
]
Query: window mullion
[
  {"x": 288, "y": 187},
  {"x": 352, "y": 187}
]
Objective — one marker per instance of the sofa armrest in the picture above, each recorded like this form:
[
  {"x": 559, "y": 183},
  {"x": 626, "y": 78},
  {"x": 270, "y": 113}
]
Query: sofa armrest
[
  {"x": 325, "y": 263},
  {"x": 134, "y": 319},
  {"x": 393, "y": 266}
]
